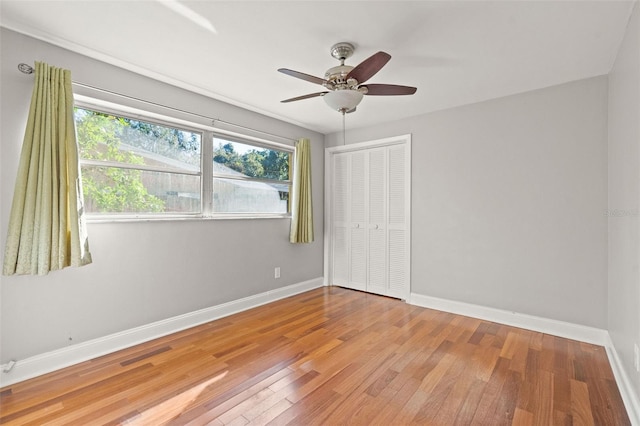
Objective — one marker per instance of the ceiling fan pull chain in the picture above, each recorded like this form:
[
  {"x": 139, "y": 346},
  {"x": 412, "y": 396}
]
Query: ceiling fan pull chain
[{"x": 344, "y": 128}]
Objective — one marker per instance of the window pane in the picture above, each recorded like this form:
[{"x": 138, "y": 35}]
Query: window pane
[
  {"x": 245, "y": 196},
  {"x": 232, "y": 158},
  {"x": 124, "y": 140},
  {"x": 117, "y": 190}
]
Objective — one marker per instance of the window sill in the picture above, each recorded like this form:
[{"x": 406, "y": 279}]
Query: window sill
[{"x": 167, "y": 218}]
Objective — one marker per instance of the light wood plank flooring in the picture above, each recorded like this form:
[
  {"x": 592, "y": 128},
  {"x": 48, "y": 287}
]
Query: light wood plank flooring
[{"x": 327, "y": 357}]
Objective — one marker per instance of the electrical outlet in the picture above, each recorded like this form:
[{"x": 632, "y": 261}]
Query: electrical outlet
[
  {"x": 636, "y": 357},
  {"x": 276, "y": 272}
]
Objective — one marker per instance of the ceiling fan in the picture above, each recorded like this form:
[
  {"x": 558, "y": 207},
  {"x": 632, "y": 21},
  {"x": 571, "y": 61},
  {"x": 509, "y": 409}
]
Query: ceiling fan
[{"x": 344, "y": 83}]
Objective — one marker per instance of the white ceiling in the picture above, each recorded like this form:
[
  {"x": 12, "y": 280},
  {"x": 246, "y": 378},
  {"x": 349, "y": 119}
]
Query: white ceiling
[{"x": 455, "y": 52}]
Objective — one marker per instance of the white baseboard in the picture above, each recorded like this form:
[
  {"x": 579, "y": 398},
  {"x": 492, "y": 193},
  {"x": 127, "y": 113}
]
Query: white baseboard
[
  {"x": 567, "y": 330},
  {"x": 629, "y": 396},
  {"x": 47, "y": 362}
]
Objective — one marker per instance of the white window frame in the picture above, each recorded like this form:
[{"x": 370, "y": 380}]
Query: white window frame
[{"x": 206, "y": 173}]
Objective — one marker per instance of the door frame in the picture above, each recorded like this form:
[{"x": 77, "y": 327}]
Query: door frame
[{"x": 328, "y": 191}]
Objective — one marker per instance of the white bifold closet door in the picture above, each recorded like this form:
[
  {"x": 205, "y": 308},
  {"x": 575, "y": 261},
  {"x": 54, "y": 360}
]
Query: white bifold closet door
[{"x": 369, "y": 218}]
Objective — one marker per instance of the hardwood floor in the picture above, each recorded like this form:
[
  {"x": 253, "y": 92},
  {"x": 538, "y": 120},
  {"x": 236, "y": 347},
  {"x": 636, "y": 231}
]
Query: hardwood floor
[{"x": 332, "y": 356}]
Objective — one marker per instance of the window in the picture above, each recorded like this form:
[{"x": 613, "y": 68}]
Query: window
[
  {"x": 248, "y": 178},
  {"x": 153, "y": 168},
  {"x": 131, "y": 166}
]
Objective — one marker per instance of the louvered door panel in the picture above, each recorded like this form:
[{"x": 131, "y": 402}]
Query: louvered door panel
[
  {"x": 377, "y": 241},
  {"x": 357, "y": 188},
  {"x": 341, "y": 256},
  {"x": 358, "y": 209},
  {"x": 341, "y": 188},
  {"x": 398, "y": 280},
  {"x": 358, "y": 261},
  {"x": 377, "y": 282},
  {"x": 397, "y": 236},
  {"x": 341, "y": 226},
  {"x": 377, "y": 190},
  {"x": 396, "y": 174}
]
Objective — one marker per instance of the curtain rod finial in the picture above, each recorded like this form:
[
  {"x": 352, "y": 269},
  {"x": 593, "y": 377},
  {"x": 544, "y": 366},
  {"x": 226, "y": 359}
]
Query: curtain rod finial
[{"x": 25, "y": 68}]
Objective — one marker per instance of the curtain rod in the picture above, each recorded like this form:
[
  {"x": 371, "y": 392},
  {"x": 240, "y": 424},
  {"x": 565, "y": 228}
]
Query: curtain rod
[{"x": 28, "y": 69}]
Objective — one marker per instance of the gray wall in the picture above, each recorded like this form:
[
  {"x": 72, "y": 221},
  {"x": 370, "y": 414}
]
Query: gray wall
[
  {"x": 509, "y": 199},
  {"x": 624, "y": 199},
  {"x": 142, "y": 271}
]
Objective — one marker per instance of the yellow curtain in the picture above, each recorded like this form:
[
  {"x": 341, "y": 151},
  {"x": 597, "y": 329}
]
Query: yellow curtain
[
  {"x": 302, "y": 209},
  {"x": 46, "y": 227}
]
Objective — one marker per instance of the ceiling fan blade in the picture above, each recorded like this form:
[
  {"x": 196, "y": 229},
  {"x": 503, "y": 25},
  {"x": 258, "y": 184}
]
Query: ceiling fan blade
[
  {"x": 369, "y": 67},
  {"x": 389, "y": 89},
  {"x": 303, "y": 76},
  {"x": 299, "y": 98}
]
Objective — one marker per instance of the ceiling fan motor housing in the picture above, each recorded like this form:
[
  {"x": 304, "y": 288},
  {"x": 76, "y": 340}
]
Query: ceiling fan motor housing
[{"x": 336, "y": 78}]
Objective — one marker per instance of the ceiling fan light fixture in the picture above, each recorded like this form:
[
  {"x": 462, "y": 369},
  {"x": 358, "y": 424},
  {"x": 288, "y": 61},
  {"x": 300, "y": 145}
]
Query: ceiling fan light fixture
[
  {"x": 344, "y": 82},
  {"x": 343, "y": 100}
]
